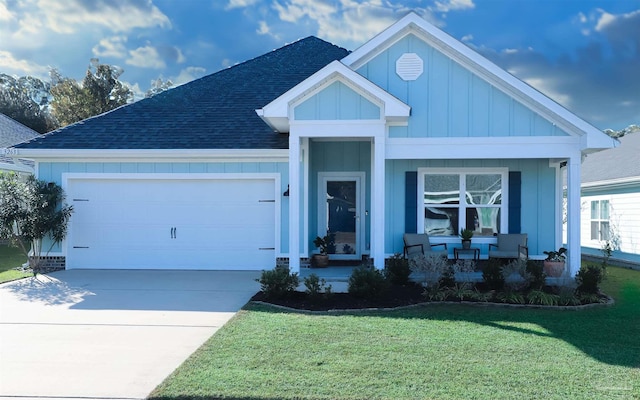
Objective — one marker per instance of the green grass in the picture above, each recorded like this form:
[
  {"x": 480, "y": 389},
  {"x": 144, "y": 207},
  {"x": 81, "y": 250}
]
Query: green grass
[
  {"x": 10, "y": 258},
  {"x": 431, "y": 352}
]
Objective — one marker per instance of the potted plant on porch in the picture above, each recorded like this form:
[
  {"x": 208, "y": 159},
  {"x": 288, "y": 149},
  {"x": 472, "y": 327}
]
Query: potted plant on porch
[
  {"x": 554, "y": 263},
  {"x": 324, "y": 245},
  {"x": 466, "y": 235}
]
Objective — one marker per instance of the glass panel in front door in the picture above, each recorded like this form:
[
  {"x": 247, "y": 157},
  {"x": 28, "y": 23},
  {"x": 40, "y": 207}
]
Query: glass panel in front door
[{"x": 342, "y": 215}]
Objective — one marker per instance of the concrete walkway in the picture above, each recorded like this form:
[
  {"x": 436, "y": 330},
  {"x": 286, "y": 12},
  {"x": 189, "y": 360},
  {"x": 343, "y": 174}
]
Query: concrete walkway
[{"x": 109, "y": 334}]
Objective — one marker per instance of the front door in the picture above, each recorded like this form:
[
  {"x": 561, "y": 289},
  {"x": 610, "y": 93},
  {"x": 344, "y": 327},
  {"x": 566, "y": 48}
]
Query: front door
[{"x": 340, "y": 203}]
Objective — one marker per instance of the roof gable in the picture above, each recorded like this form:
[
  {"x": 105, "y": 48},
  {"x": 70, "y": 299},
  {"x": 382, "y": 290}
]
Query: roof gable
[
  {"x": 412, "y": 24},
  {"x": 336, "y": 102},
  {"x": 279, "y": 112},
  {"x": 213, "y": 112}
]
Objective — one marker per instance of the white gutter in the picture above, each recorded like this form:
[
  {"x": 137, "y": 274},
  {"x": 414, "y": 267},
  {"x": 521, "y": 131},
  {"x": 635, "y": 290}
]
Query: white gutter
[{"x": 148, "y": 153}]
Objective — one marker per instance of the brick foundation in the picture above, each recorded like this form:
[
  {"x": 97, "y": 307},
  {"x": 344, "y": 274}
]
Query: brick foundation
[{"x": 51, "y": 264}]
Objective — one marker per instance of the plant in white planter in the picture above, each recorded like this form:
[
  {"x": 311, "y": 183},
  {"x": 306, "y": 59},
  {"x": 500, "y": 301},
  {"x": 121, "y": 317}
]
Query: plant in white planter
[
  {"x": 466, "y": 235},
  {"x": 554, "y": 263}
]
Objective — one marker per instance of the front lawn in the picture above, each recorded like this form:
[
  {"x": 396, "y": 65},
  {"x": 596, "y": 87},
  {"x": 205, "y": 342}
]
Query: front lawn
[
  {"x": 432, "y": 352},
  {"x": 11, "y": 258}
]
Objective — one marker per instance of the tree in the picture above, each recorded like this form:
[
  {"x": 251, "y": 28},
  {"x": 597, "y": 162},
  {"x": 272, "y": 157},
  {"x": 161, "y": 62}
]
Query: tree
[
  {"x": 26, "y": 100},
  {"x": 101, "y": 91},
  {"x": 158, "y": 86},
  {"x": 31, "y": 211}
]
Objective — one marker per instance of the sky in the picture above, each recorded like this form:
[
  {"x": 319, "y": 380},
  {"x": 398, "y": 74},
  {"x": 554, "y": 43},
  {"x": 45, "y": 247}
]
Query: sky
[{"x": 584, "y": 54}]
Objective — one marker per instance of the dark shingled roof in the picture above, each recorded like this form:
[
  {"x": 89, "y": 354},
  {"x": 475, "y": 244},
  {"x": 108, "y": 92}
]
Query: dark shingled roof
[{"x": 213, "y": 112}]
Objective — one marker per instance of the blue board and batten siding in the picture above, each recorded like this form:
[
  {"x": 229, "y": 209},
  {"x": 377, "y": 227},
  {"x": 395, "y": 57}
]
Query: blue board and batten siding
[
  {"x": 537, "y": 189},
  {"x": 447, "y": 100},
  {"x": 336, "y": 102},
  {"x": 52, "y": 172}
]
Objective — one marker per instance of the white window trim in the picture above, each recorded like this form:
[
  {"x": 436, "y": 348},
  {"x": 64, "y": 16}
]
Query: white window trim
[
  {"x": 504, "y": 207},
  {"x": 599, "y": 241}
]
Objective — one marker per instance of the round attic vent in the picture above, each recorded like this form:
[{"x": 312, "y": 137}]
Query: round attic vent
[{"x": 409, "y": 66}]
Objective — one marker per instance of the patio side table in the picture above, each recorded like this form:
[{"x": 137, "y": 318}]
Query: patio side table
[{"x": 475, "y": 251}]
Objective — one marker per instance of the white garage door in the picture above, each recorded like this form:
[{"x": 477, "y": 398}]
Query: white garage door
[{"x": 172, "y": 224}]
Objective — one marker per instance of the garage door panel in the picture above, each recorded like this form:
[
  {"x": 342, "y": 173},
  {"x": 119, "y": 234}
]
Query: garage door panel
[{"x": 219, "y": 224}]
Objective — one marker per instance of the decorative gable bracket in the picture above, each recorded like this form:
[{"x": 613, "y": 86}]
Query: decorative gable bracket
[{"x": 280, "y": 112}]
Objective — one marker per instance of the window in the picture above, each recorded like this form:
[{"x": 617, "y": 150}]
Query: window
[
  {"x": 600, "y": 220},
  {"x": 452, "y": 200}
]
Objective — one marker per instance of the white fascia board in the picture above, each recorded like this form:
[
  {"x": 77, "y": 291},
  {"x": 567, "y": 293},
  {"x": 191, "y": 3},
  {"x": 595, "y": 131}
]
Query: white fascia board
[
  {"x": 595, "y": 143},
  {"x": 481, "y": 148},
  {"x": 280, "y": 108},
  {"x": 485, "y": 69},
  {"x": 16, "y": 168},
  {"x": 338, "y": 129},
  {"x": 612, "y": 183},
  {"x": 150, "y": 155}
]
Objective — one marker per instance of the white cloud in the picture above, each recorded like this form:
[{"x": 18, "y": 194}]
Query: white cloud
[
  {"x": 341, "y": 22},
  {"x": 449, "y": 5},
  {"x": 188, "y": 74},
  {"x": 605, "y": 20},
  {"x": 467, "y": 38},
  {"x": 146, "y": 57},
  {"x": 264, "y": 29},
  {"x": 239, "y": 4},
  {"x": 118, "y": 16},
  {"x": 9, "y": 64},
  {"x": 111, "y": 47},
  {"x": 138, "y": 93},
  {"x": 547, "y": 86},
  {"x": 5, "y": 14}
]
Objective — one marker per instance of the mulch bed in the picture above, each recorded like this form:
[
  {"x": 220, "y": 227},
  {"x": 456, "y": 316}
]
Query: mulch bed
[{"x": 397, "y": 296}]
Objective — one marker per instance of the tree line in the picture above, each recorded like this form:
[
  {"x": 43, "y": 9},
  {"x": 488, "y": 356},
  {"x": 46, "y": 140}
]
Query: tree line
[{"x": 47, "y": 105}]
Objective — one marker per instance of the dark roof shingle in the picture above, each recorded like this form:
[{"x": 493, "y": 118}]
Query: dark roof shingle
[{"x": 213, "y": 112}]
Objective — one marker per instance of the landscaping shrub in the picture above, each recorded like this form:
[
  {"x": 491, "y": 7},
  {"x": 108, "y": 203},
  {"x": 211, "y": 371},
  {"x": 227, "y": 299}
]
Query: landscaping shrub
[
  {"x": 367, "y": 283},
  {"x": 397, "y": 270},
  {"x": 510, "y": 297},
  {"x": 315, "y": 286},
  {"x": 448, "y": 277},
  {"x": 461, "y": 291},
  {"x": 517, "y": 267},
  {"x": 589, "y": 278},
  {"x": 567, "y": 297},
  {"x": 542, "y": 298},
  {"x": 432, "y": 265},
  {"x": 492, "y": 274},
  {"x": 278, "y": 282},
  {"x": 434, "y": 292},
  {"x": 535, "y": 274}
]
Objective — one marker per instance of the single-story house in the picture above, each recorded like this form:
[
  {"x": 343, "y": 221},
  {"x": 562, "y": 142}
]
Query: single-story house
[
  {"x": 242, "y": 169},
  {"x": 13, "y": 132},
  {"x": 611, "y": 201}
]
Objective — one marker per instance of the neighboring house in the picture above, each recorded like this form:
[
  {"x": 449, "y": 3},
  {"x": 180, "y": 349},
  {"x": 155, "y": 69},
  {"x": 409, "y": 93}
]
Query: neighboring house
[
  {"x": 611, "y": 200},
  {"x": 242, "y": 169},
  {"x": 13, "y": 132}
]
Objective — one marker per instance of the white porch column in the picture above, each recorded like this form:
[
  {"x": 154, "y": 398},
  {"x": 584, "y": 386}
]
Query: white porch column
[
  {"x": 294, "y": 203},
  {"x": 573, "y": 213},
  {"x": 377, "y": 200}
]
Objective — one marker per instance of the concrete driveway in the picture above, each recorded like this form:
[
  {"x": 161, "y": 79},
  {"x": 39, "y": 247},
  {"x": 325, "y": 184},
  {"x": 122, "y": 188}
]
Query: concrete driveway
[{"x": 109, "y": 334}]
